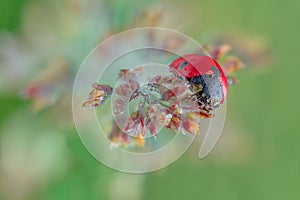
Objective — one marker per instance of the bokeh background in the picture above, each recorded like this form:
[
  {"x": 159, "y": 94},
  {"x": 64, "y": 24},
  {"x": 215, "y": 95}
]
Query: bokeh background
[{"x": 43, "y": 42}]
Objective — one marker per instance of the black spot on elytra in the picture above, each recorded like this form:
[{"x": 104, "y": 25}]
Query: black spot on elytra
[{"x": 183, "y": 64}]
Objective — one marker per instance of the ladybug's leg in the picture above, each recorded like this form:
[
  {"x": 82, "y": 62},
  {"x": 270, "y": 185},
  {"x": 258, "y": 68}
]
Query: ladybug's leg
[
  {"x": 196, "y": 88},
  {"x": 196, "y": 84}
]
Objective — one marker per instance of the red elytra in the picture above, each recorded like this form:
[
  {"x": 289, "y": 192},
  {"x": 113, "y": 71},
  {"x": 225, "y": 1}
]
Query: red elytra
[{"x": 192, "y": 65}]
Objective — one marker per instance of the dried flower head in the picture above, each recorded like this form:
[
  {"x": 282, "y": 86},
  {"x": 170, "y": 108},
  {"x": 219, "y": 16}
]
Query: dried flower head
[{"x": 98, "y": 95}]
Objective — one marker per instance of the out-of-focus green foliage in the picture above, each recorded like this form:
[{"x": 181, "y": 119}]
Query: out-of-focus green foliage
[{"x": 10, "y": 14}]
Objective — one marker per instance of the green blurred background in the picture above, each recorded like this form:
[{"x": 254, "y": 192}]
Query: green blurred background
[{"x": 257, "y": 156}]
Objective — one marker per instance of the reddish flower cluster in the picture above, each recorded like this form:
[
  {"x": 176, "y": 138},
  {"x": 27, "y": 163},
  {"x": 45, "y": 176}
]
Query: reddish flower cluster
[{"x": 165, "y": 101}]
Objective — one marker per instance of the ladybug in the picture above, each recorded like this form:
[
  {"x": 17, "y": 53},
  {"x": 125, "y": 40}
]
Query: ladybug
[{"x": 206, "y": 78}]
